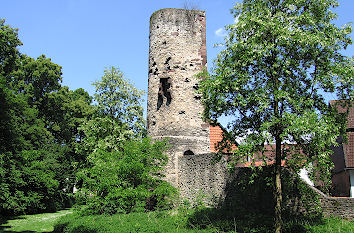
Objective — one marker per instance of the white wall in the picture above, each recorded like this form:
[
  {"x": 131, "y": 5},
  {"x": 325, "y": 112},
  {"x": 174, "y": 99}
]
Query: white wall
[
  {"x": 305, "y": 177},
  {"x": 351, "y": 174}
]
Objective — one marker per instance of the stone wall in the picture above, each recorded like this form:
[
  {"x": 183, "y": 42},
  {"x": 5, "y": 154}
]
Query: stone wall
[
  {"x": 342, "y": 207},
  {"x": 203, "y": 177},
  {"x": 177, "y": 53}
]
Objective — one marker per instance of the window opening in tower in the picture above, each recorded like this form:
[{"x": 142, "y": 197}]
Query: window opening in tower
[{"x": 164, "y": 92}]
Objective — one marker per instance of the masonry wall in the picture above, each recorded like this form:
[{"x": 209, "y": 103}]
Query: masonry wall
[
  {"x": 203, "y": 177},
  {"x": 177, "y": 53},
  {"x": 342, "y": 207}
]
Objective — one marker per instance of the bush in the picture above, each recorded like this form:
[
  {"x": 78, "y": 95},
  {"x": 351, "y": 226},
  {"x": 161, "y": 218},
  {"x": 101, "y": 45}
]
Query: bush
[
  {"x": 125, "y": 181},
  {"x": 28, "y": 183}
]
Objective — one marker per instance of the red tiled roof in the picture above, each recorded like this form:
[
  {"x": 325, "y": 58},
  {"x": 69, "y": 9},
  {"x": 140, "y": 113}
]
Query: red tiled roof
[
  {"x": 269, "y": 156},
  {"x": 216, "y": 136},
  {"x": 259, "y": 163}
]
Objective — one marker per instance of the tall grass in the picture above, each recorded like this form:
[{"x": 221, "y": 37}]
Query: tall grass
[{"x": 191, "y": 220}]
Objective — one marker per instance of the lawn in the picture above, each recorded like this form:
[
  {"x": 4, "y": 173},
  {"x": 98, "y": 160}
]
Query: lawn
[
  {"x": 159, "y": 221},
  {"x": 180, "y": 221},
  {"x": 32, "y": 223}
]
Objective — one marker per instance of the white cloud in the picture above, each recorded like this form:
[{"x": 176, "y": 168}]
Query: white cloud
[{"x": 220, "y": 32}]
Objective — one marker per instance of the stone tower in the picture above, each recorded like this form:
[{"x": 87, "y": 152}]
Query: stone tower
[{"x": 177, "y": 53}]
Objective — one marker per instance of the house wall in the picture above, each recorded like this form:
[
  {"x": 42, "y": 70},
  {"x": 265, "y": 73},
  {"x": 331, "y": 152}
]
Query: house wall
[{"x": 341, "y": 184}]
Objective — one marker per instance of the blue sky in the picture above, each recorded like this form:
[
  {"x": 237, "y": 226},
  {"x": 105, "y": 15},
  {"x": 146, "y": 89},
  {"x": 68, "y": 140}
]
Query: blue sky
[{"x": 85, "y": 36}]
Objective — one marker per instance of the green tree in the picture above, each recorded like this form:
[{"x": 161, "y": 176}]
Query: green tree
[
  {"x": 9, "y": 53},
  {"x": 8, "y": 56},
  {"x": 65, "y": 112},
  {"x": 123, "y": 170},
  {"x": 36, "y": 78},
  {"x": 117, "y": 98},
  {"x": 126, "y": 180},
  {"x": 279, "y": 61},
  {"x": 39, "y": 122},
  {"x": 118, "y": 116}
]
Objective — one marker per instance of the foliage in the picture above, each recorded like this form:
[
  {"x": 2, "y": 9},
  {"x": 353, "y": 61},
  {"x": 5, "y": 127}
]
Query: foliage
[
  {"x": 66, "y": 111},
  {"x": 117, "y": 98},
  {"x": 39, "y": 122},
  {"x": 122, "y": 171},
  {"x": 36, "y": 78},
  {"x": 103, "y": 133},
  {"x": 281, "y": 55},
  {"x": 28, "y": 183},
  {"x": 279, "y": 61},
  {"x": 125, "y": 180},
  {"x": 9, "y": 42},
  {"x": 118, "y": 115}
]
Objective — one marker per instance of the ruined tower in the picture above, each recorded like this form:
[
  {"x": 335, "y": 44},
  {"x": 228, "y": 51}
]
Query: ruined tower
[{"x": 177, "y": 53}]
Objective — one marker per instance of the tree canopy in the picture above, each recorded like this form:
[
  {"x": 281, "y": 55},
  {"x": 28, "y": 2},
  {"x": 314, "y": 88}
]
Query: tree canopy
[
  {"x": 39, "y": 122},
  {"x": 280, "y": 59}
]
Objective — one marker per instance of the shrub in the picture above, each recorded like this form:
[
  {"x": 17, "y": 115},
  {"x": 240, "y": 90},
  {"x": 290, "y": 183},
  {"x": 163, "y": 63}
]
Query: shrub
[
  {"x": 28, "y": 183},
  {"x": 125, "y": 181}
]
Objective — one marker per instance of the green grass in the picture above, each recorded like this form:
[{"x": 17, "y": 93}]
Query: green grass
[
  {"x": 163, "y": 221},
  {"x": 32, "y": 223},
  {"x": 180, "y": 221},
  {"x": 334, "y": 225}
]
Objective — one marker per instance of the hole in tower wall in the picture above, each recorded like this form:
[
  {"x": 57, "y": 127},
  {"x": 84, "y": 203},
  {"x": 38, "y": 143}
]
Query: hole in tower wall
[
  {"x": 164, "y": 92},
  {"x": 159, "y": 101},
  {"x": 167, "y": 60},
  {"x": 188, "y": 152}
]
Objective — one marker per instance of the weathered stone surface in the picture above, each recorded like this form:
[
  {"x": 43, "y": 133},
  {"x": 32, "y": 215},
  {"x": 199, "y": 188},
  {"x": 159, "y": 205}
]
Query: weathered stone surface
[
  {"x": 342, "y": 207},
  {"x": 177, "y": 53},
  {"x": 203, "y": 177}
]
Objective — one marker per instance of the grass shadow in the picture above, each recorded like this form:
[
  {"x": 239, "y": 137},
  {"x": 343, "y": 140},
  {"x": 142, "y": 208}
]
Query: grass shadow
[{"x": 42, "y": 222}]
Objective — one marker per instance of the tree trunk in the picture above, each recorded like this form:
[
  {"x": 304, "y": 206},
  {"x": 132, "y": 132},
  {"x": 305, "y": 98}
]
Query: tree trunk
[{"x": 277, "y": 189}]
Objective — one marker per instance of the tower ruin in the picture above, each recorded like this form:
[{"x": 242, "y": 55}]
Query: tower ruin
[{"x": 177, "y": 53}]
